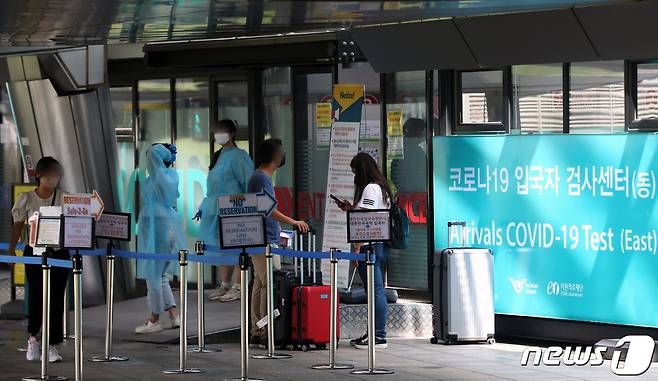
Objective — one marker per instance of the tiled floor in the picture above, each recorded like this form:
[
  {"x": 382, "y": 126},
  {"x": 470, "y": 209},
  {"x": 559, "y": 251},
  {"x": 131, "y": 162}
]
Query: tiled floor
[{"x": 411, "y": 359}]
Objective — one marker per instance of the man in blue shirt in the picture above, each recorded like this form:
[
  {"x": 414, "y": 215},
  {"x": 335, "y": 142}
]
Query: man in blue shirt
[{"x": 269, "y": 157}]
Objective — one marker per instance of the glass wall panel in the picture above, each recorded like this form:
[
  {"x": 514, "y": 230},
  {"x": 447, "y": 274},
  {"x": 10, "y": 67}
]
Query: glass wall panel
[
  {"x": 596, "y": 98},
  {"x": 155, "y": 120},
  {"x": 406, "y": 118},
  {"x": 538, "y": 98},
  {"x": 647, "y": 91},
  {"x": 311, "y": 149},
  {"x": 482, "y": 97},
  {"x": 277, "y": 100},
  {"x": 193, "y": 144},
  {"x": 122, "y": 120},
  {"x": 233, "y": 103}
]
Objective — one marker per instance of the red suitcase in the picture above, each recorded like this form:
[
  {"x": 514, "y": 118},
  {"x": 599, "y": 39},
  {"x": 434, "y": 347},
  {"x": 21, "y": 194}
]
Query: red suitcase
[
  {"x": 310, "y": 317},
  {"x": 310, "y": 307}
]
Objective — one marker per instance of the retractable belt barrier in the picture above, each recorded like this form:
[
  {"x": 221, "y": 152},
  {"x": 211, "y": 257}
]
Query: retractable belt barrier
[{"x": 226, "y": 257}]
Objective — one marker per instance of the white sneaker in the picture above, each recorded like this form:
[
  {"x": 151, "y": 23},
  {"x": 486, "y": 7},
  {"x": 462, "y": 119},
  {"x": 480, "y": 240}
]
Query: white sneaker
[
  {"x": 149, "y": 327},
  {"x": 231, "y": 295},
  {"x": 217, "y": 294},
  {"x": 33, "y": 352},
  {"x": 53, "y": 354},
  {"x": 175, "y": 322}
]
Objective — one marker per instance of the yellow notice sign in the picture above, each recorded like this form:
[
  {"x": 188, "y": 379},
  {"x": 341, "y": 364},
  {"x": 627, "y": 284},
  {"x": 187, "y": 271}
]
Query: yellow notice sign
[
  {"x": 18, "y": 275},
  {"x": 323, "y": 115},
  {"x": 394, "y": 122},
  {"x": 347, "y": 95}
]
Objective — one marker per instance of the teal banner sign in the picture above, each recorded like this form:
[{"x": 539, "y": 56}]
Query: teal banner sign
[{"x": 571, "y": 220}]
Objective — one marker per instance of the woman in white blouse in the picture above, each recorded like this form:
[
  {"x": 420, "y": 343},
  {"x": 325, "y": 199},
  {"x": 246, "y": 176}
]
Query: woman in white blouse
[
  {"x": 48, "y": 173},
  {"x": 371, "y": 192}
]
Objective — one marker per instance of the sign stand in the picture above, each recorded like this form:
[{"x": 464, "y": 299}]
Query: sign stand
[
  {"x": 370, "y": 269},
  {"x": 368, "y": 226},
  {"x": 243, "y": 231},
  {"x": 245, "y": 262},
  {"x": 333, "y": 339},
  {"x": 77, "y": 307},
  {"x": 109, "y": 312},
  {"x": 201, "y": 309},
  {"x": 45, "y": 323},
  {"x": 269, "y": 280},
  {"x": 182, "y": 352},
  {"x": 112, "y": 226}
]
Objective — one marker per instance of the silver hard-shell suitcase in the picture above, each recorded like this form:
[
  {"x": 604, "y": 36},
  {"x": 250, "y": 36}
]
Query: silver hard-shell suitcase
[{"x": 463, "y": 294}]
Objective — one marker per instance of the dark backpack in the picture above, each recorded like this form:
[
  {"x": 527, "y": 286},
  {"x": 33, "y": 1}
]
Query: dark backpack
[{"x": 399, "y": 227}]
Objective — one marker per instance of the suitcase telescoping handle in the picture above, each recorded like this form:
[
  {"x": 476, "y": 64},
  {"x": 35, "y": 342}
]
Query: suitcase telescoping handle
[
  {"x": 310, "y": 239},
  {"x": 462, "y": 236}
]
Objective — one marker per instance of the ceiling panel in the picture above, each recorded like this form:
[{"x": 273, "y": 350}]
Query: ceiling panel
[
  {"x": 414, "y": 46},
  {"x": 526, "y": 38},
  {"x": 48, "y": 22},
  {"x": 622, "y": 31}
]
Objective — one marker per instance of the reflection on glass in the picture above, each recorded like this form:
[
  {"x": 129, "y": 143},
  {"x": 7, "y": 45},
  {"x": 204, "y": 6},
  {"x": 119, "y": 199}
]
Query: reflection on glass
[
  {"x": 122, "y": 120},
  {"x": 233, "y": 103},
  {"x": 538, "y": 98},
  {"x": 277, "y": 100},
  {"x": 596, "y": 98},
  {"x": 482, "y": 97},
  {"x": 311, "y": 158},
  {"x": 407, "y": 161},
  {"x": 155, "y": 118},
  {"x": 647, "y": 91},
  {"x": 192, "y": 141}
]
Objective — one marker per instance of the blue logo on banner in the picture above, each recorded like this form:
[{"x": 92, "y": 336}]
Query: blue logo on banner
[{"x": 571, "y": 220}]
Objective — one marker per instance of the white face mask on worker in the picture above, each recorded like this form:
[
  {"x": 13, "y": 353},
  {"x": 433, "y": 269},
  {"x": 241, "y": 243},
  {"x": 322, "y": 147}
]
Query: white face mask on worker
[{"x": 222, "y": 138}]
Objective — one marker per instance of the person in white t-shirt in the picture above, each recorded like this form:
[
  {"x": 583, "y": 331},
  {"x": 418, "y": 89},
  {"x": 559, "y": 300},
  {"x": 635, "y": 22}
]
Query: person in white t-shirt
[
  {"x": 371, "y": 192},
  {"x": 48, "y": 173}
]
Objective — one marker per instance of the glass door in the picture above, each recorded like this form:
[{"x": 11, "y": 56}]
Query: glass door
[
  {"x": 312, "y": 88},
  {"x": 232, "y": 102}
]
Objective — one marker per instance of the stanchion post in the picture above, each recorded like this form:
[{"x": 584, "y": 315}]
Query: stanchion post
[
  {"x": 109, "y": 308},
  {"x": 182, "y": 352},
  {"x": 199, "y": 248},
  {"x": 65, "y": 318},
  {"x": 370, "y": 275},
  {"x": 244, "y": 318},
  {"x": 269, "y": 279},
  {"x": 333, "y": 320},
  {"x": 77, "y": 308},
  {"x": 45, "y": 322}
]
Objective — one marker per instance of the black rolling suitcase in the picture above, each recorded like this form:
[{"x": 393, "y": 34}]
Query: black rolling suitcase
[{"x": 285, "y": 280}]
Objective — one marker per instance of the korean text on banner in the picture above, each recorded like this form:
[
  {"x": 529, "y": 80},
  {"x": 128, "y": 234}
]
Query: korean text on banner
[
  {"x": 348, "y": 110},
  {"x": 571, "y": 219}
]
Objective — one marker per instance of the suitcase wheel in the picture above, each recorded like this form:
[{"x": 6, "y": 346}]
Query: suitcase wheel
[
  {"x": 321, "y": 346},
  {"x": 306, "y": 347},
  {"x": 434, "y": 340},
  {"x": 491, "y": 340}
]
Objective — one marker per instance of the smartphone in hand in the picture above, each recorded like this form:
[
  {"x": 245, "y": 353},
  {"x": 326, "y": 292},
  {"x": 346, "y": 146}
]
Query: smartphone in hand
[{"x": 336, "y": 200}]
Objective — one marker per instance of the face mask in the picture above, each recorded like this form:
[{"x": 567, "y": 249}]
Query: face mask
[
  {"x": 222, "y": 138},
  {"x": 50, "y": 182},
  {"x": 283, "y": 161}
]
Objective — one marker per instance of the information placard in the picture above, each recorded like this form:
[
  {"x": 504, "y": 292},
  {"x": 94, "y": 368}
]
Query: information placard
[
  {"x": 78, "y": 232},
  {"x": 368, "y": 225},
  {"x": 242, "y": 231},
  {"x": 115, "y": 226},
  {"x": 48, "y": 232},
  {"x": 84, "y": 204}
]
